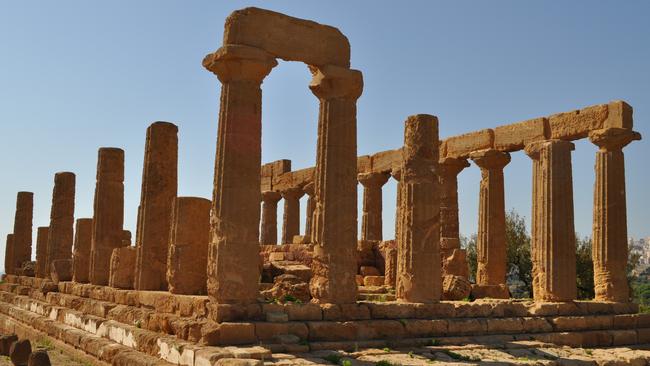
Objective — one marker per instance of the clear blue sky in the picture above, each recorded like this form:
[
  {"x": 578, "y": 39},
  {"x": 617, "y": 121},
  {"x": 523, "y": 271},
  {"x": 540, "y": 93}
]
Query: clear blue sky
[{"x": 77, "y": 75}]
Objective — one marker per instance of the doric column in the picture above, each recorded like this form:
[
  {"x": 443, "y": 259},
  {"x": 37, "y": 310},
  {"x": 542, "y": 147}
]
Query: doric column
[
  {"x": 335, "y": 180},
  {"x": 108, "y": 213},
  {"x": 448, "y": 171},
  {"x": 311, "y": 206},
  {"x": 9, "y": 255},
  {"x": 233, "y": 258},
  {"x": 23, "y": 228},
  {"x": 60, "y": 236},
  {"x": 159, "y": 187},
  {"x": 188, "y": 248},
  {"x": 491, "y": 240},
  {"x": 41, "y": 251},
  {"x": 553, "y": 247},
  {"x": 291, "y": 216},
  {"x": 610, "y": 217},
  {"x": 371, "y": 224},
  {"x": 418, "y": 244},
  {"x": 269, "y": 226},
  {"x": 83, "y": 237}
]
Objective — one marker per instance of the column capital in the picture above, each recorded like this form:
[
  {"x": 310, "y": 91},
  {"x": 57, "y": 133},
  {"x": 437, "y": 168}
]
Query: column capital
[
  {"x": 330, "y": 82},
  {"x": 240, "y": 63},
  {"x": 309, "y": 189},
  {"x": 612, "y": 139},
  {"x": 292, "y": 193},
  {"x": 452, "y": 166},
  {"x": 271, "y": 196},
  {"x": 534, "y": 148},
  {"x": 490, "y": 158},
  {"x": 373, "y": 179}
]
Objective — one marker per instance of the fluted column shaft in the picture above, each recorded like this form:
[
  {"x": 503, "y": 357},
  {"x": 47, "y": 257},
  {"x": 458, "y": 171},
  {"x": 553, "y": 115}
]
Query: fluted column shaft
[
  {"x": 83, "y": 238},
  {"x": 9, "y": 255},
  {"x": 23, "y": 228},
  {"x": 291, "y": 215},
  {"x": 41, "y": 252},
  {"x": 609, "y": 247},
  {"x": 60, "y": 236},
  {"x": 449, "y": 169},
  {"x": 491, "y": 241},
  {"x": 553, "y": 248},
  {"x": 334, "y": 265},
  {"x": 418, "y": 244},
  {"x": 269, "y": 225},
  {"x": 371, "y": 224},
  {"x": 233, "y": 256}
]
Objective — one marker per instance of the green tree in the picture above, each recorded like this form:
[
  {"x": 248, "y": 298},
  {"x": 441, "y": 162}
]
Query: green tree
[
  {"x": 519, "y": 263},
  {"x": 584, "y": 268},
  {"x": 469, "y": 244}
]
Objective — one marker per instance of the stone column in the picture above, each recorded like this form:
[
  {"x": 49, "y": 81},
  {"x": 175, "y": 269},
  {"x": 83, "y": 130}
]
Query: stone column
[
  {"x": 23, "y": 228},
  {"x": 269, "y": 226},
  {"x": 454, "y": 260},
  {"x": 491, "y": 240},
  {"x": 122, "y": 267},
  {"x": 188, "y": 249},
  {"x": 41, "y": 251},
  {"x": 553, "y": 247},
  {"x": 108, "y": 215},
  {"x": 159, "y": 187},
  {"x": 311, "y": 206},
  {"x": 83, "y": 236},
  {"x": 371, "y": 224},
  {"x": 610, "y": 215},
  {"x": 335, "y": 184},
  {"x": 9, "y": 255},
  {"x": 418, "y": 245},
  {"x": 233, "y": 256},
  {"x": 60, "y": 236},
  {"x": 291, "y": 216}
]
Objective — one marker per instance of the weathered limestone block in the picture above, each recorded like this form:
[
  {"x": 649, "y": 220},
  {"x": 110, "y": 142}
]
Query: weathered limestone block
[
  {"x": 269, "y": 225},
  {"x": 418, "y": 261},
  {"x": 9, "y": 255},
  {"x": 456, "y": 264},
  {"x": 462, "y": 145},
  {"x": 23, "y": 228},
  {"x": 159, "y": 187},
  {"x": 371, "y": 225},
  {"x": 291, "y": 216},
  {"x": 610, "y": 217},
  {"x": 6, "y": 341},
  {"x": 28, "y": 269},
  {"x": 577, "y": 124},
  {"x": 288, "y": 287},
  {"x": 490, "y": 291},
  {"x": 41, "y": 251},
  {"x": 60, "y": 236},
  {"x": 335, "y": 217},
  {"x": 83, "y": 236},
  {"x": 233, "y": 256},
  {"x": 122, "y": 267},
  {"x": 61, "y": 270},
  {"x": 516, "y": 136},
  {"x": 20, "y": 351},
  {"x": 455, "y": 287},
  {"x": 389, "y": 252},
  {"x": 448, "y": 171},
  {"x": 491, "y": 241},
  {"x": 39, "y": 358},
  {"x": 311, "y": 43},
  {"x": 271, "y": 171},
  {"x": 384, "y": 161},
  {"x": 188, "y": 249},
  {"x": 553, "y": 250},
  {"x": 619, "y": 115},
  {"x": 108, "y": 214}
]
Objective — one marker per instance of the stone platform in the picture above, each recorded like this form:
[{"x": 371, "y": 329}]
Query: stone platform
[{"x": 183, "y": 329}]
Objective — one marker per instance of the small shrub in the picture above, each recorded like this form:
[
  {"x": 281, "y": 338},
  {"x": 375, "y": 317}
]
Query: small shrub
[{"x": 333, "y": 358}]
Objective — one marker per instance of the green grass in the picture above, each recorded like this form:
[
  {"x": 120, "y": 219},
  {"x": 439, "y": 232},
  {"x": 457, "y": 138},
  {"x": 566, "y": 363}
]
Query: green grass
[
  {"x": 383, "y": 363},
  {"x": 45, "y": 344},
  {"x": 333, "y": 358},
  {"x": 459, "y": 357}
]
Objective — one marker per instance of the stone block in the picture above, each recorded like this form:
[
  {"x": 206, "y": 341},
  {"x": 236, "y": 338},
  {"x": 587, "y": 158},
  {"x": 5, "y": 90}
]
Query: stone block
[
  {"x": 619, "y": 115},
  {"x": 455, "y": 287},
  {"x": 392, "y": 310},
  {"x": 467, "y": 326},
  {"x": 536, "y": 325},
  {"x": 220, "y": 334},
  {"x": 332, "y": 331},
  {"x": 623, "y": 337},
  {"x": 239, "y": 362},
  {"x": 61, "y": 270},
  {"x": 355, "y": 312},
  {"x": 384, "y": 161},
  {"x": 373, "y": 280},
  {"x": 369, "y": 271},
  {"x": 577, "y": 124},
  {"x": 423, "y": 328},
  {"x": 364, "y": 164},
  {"x": 304, "y": 312},
  {"x": 462, "y": 145},
  {"x": 505, "y": 325},
  {"x": 5, "y": 343},
  {"x": 490, "y": 291},
  {"x": 515, "y": 136},
  {"x": 122, "y": 267},
  {"x": 19, "y": 352},
  {"x": 643, "y": 335},
  {"x": 39, "y": 358}
]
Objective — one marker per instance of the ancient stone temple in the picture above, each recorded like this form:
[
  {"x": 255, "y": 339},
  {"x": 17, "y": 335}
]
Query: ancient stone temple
[{"x": 213, "y": 282}]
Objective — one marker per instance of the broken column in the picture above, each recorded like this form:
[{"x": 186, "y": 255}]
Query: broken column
[
  {"x": 553, "y": 247},
  {"x": 454, "y": 261},
  {"x": 418, "y": 245},
  {"x": 9, "y": 255},
  {"x": 371, "y": 224},
  {"x": 159, "y": 187},
  {"x": 188, "y": 249},
  {"x": 269, "y": 225},
  {"x": 491, "y": 238},
  {"x": 610, "y": 214},
  {"x": 41, "y": 251},
  {"x": 83, "y": 235},
  {"x": 108, "y": 214},
  {"x": 291, "y": 216},
  {"x": 23, "y": 229},
  {"x": 122, "y": 267},
  {"x": 311, "y": 206},
  {"x": 60, "y": 236},
  {"x": 335, "y": 232},
  {"x": 233, "y": 258}
]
